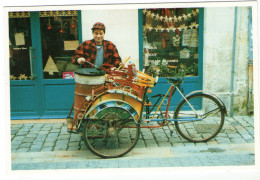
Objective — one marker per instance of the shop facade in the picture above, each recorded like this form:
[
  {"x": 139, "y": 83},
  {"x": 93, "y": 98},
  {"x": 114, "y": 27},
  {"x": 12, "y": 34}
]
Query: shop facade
[{"x": 172, "y": 39}]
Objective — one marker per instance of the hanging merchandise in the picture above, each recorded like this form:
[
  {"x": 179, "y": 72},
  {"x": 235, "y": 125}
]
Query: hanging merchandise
[
  {"x": 72, "y": 23},
  {"x": 49, "y": 27},
  {"x": 149, "y": 18},
  {"x": 186, "y": 36},
  {"x": 168, "y": 20},
  {"x": 194, "y": 38},
  {"x": 62, "y": 31},
  {"x": 193, "y": 25},
  {"x": 185, "y": 53},
  {"x": 72, "y": 26},
  {"x": 165, "y": 38},
  {"x": 176, "y": 40},
  {"x": 159, "y": 28}
]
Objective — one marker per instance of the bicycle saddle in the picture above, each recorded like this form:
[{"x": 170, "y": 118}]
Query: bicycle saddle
[{"x": 176, "y": 80}]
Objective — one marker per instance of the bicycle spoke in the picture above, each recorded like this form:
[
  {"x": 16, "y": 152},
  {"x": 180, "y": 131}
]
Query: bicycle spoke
[
  {"x": 210, "y": 113},
  {"x": 202, "y": 125},
  {"x": 108, "y": 134}
]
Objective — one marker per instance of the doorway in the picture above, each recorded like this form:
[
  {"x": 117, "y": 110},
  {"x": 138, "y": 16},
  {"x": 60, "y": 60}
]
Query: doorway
[{"x": 41, "y": 72}]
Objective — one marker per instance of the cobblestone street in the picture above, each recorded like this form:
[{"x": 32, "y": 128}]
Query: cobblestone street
[{"x": 50, "y": 146}]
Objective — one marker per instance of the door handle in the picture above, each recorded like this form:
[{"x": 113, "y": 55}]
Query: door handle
[{"x": 32, "y": 58}]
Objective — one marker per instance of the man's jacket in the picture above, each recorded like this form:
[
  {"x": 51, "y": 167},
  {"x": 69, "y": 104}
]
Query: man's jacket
[{"x": 88, "y": 50}]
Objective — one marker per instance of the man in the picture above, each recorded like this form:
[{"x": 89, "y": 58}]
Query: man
[{"x": 97, "y": 51}]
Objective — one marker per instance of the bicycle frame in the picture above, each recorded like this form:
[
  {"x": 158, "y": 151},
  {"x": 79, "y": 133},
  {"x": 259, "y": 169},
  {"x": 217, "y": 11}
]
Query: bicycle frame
[{"x": 171, "y": 91}]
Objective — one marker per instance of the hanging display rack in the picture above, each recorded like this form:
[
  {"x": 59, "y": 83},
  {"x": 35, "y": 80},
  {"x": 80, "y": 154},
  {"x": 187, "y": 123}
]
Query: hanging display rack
[{"x": 174, "y": 19}]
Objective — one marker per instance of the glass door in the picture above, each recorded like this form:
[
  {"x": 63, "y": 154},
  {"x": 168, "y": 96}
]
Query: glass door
[
  {"x": 41, "y": 73},
  {"x": 22, "y": 60},
  {"x": 60, "y": 36},
  {"x": 20, "y": 47}
]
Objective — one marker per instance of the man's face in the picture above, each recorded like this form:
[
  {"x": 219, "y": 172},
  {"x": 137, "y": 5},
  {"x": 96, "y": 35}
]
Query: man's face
[{"x": 98, "y": 36}]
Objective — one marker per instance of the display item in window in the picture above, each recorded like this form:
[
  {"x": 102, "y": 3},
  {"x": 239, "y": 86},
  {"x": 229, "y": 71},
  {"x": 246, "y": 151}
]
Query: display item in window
[
  {"x": 22, "y": 76},
  {"x": 50, "y": 66},
  {"x": 176, "y": 41}
]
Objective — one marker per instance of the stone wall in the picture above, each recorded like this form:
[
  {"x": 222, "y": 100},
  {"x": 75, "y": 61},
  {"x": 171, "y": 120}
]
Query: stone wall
[{"x": 218, "y": 53}]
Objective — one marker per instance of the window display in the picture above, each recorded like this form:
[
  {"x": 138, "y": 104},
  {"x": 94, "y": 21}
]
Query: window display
[
  {"x": 19, "y": 46},
  {"x": 171, "y": 41},
  {"x": 59, "y": 37}
]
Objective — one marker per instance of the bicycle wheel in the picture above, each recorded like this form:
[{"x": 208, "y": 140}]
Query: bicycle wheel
[
  {"x": 111, "y": 133},
  {"x": 200, "y": 119}
]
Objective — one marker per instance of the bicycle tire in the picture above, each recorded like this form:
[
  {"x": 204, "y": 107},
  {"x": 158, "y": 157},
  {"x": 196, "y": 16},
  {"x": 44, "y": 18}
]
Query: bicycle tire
[
  {"x": 107, "y": 134},
  {"x": 201, "y": 130}
]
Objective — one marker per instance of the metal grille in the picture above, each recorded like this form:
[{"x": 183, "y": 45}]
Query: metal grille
[
  {"x": 58, "y": 13},
  {"x": 44, "y": 14},
  {"x": 18, "y": 14}
]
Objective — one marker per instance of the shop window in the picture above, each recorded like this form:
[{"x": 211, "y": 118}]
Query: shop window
[
  {"x": 59, "y": 37},
  {"x": 170, "y": 41},
  {"x": 19, "y": 46}
]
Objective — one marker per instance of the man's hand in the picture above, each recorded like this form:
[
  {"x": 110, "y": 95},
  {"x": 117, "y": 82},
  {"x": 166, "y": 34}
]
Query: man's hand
[{"x": 81, "y": 60}]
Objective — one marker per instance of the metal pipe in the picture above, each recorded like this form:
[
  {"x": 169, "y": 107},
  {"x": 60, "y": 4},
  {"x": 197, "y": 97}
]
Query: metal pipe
[
  {"x": 233, "y": 64},
  {"x": 250, "y": 102},
  {"x": 168, "y": 105}
]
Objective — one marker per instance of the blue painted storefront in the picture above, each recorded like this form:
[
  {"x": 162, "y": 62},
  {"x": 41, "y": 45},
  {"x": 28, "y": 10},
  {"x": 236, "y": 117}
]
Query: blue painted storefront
[{"x": 52, "y": 98}]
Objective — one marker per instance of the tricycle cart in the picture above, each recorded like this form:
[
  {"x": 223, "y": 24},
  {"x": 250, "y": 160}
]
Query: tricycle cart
[{"x": 110, "y": 108}]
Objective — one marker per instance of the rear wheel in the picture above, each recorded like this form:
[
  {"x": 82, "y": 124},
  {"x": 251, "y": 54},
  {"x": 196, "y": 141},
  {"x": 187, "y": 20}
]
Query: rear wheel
[
  {"x": 111, "y": 133},
  {"x": 202, "y": 124}
]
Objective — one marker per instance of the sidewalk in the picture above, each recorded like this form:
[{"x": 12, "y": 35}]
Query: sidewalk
[{"x": 46, "y": 144}]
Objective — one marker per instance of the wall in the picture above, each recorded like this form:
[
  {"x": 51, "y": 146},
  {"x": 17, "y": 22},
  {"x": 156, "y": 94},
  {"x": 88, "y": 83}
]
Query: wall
[
  {"x": 121, "y": 29},
  {"x": 218, "y": 49}
]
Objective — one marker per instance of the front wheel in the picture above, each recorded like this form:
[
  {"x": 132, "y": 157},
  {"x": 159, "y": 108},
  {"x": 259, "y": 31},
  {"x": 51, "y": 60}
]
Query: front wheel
[
  {"x": 200, "y": 118},
  {"x": 111, "y": 133}
]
